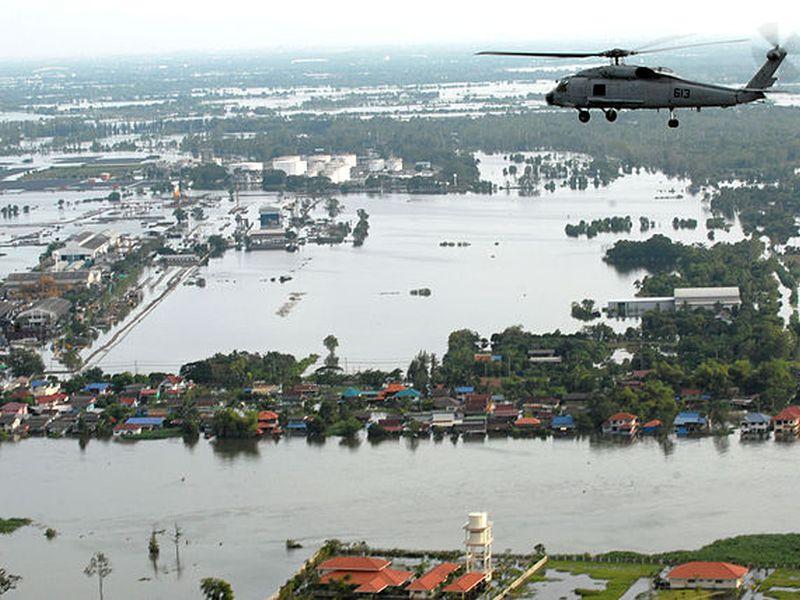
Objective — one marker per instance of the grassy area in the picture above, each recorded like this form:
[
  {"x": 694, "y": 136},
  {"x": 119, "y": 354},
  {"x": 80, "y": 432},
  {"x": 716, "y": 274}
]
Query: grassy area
[
  {"x": 11, "y": 525},
  {"x": 687, "y": 594},
  {"x": 156, "y": 434},
  {"x": 766, "y": 550},
  {"x": 618, "y": 576},
  {"x": 788, "y": 578}
]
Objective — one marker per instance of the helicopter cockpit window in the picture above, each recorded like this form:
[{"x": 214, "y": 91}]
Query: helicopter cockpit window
[{"x": 562, "y": 86}]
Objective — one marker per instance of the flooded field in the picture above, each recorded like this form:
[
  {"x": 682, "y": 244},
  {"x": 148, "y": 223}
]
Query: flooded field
[
  {"x": 519, "y": 268},
  {"x": 238, "y": 503}
]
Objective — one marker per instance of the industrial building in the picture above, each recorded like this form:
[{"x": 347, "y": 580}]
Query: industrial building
[
  {"x": 45, "y": 314},
  {"x": 270, "y": 235},
  {"x": 60, "y": 281},
  {"x": 291, "y": 165},
  {"x": 87, "y": 245},
  {"x": 708, "y": 298}
]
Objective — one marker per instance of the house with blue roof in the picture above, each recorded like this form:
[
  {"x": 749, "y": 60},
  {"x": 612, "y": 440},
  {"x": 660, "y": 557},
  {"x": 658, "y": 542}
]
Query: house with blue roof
[
  {"x": 98, "y": 387},
  {"x": 296, "y": 426},
  {"x": 755, "y": 424},
  {"x": 351, "y": 393},
  {"x": 408, "y": 393},
  {"x": 562, "y": 425},
  {"x": 688, "y": 423},
  {"x": 146, "y": 422}
]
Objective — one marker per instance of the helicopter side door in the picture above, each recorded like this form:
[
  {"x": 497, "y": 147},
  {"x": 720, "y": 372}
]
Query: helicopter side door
[{"x": 615, "y": 93}]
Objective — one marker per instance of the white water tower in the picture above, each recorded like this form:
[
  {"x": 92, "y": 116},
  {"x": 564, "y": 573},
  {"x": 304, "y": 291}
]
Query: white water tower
[{"x": 478, "y": 540}]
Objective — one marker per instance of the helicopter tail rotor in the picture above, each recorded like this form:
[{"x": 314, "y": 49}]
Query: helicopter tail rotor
[{"x": 778, "y": 46}]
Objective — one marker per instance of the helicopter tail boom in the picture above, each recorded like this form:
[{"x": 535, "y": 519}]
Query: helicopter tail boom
[{"x": 765, "y": 78}]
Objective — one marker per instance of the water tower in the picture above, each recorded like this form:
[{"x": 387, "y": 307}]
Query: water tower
[{"x": 478, "y": 540}]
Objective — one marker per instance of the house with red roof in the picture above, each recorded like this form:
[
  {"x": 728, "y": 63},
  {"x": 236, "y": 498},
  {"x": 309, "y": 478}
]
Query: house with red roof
[
  {"x": 51, "y": 401},
  {"x": 367, "y": 575},
  {"x": 478, "y": 404},
  {"x": 707, "y": 576},
  {"x": 14, "y": 408},
  {"x": 268, "y": 423},
  {"x": 129, "y": 401},
  {"x": 527, "y": 425},
  {"x": 622, "y": 424},
  {"x": 468, "y": 585},
  {"x": 786, "y": 424},
  {"x": 427, "y": 585}
]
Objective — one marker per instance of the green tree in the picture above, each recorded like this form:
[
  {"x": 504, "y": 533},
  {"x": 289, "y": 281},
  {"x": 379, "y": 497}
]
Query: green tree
[
  {"x": 331, "y": 343},
  {"x": 25, "y": 363},
  {"x": 98, "y": 566},
  {"x": 180, "y": 215},
  {"x": 8, "y": 581},
  {"x": 216, "y": 589}
]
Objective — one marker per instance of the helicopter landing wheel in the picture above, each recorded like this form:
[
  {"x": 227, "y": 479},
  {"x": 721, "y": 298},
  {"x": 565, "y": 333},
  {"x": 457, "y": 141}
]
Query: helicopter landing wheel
[
  {"x": 584, "y": 116},
  {"x": 611, "y": 115},
  {"x": 673, "y": 120}
]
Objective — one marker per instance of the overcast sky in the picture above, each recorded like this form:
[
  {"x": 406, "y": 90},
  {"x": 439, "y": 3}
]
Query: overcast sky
[{"x": 66, "y": 28}]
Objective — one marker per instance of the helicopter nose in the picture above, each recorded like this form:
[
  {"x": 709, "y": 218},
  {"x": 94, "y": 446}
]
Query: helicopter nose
[{"x": 549, "y": 98}]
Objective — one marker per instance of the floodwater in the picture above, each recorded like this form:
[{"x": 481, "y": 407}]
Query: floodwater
[
  {"x": 238, "y": 504},
  {"x": 520, "y": 268}
]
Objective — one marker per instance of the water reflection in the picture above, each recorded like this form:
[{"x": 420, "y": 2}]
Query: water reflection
[{"x": 232, "y": 449}]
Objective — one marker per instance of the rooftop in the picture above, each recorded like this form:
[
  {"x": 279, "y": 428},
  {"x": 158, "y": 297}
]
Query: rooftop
[
  {"x": 708, "y": 570},
  {"x": 465, "y": 583}
]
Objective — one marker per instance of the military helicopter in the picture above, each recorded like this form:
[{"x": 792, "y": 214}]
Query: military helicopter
[{"x": 619, "y": 86}]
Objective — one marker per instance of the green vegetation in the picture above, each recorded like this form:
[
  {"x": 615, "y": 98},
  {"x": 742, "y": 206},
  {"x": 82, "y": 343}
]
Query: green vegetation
[
  {"x": 229, "y": 424},
  {"x": 607, "y": 225},
  {"x": 12, "y": 524},
  {"x": 678, "y": 223},
  {"x": 585, "y": 310},
  {"x": 763, "y": 550},
  {"x": 783, "y": 578},
  {"x": 361, "y": 230},
  {"x": 238, "y": 369},
  {"x": 155, "y": 434},
  {"x": 216, "y": 589}
]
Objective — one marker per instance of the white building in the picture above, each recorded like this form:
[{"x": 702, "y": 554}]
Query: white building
[
  {"x": 682, "y": 298},
  {"x": 707, "y": 297},
  {"x": 291, "y": 165},
  {"x": 375, "y": 165},
  {"x": 394, "y": 164},
  {"x": 337, "y": 172},
  {"x": 87, "y": 245}
]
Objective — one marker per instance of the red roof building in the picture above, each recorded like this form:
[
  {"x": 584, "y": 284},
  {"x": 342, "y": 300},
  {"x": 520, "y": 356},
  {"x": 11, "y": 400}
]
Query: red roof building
[
  {"x": 787, "y": 422},
  {"x": 465, "y": 584},
  {"x": 478, "y": 404},
  {"x": 527, "y": 423},
  {"x": 426, "y": 585},
  {"x": 368, "y": 575},
  {"x": 622, "y": 424},
  {"x": 268, "y": 422},
  {"x": 51, "y": 400},
  {"x": 707, "y": 575},
  {"x": 14, "y": 408}
]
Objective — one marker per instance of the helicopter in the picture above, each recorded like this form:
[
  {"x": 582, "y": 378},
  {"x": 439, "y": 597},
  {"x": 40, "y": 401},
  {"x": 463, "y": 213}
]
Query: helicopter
[{"x": 618, "y": 86}]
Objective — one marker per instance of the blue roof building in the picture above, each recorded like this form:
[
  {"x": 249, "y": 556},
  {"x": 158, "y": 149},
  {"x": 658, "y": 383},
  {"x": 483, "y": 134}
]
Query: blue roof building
[
  {"x": 464, "y": 389},
  {"x": 408, "y": 393},
  {"x": 755, "y": 422},
  {"x": 690, "y": 422},
  {"x": 562, "y": 424},
  {"x": 146, "y": 421},
  {"x": 351, "y": 393},
  {"x": 97, "y": 387}
]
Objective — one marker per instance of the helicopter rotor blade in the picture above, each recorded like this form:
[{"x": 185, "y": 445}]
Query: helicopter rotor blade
[
  {"x": 770, "y": 32},
  {"x": 667, "y": 49},
  {"x": 540, "y": 54},
  {"x": 663, "y": 40}
]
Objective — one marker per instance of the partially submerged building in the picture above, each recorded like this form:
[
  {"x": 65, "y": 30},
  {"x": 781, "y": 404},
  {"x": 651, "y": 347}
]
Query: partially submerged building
[{"x": 710, "y": 298}]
